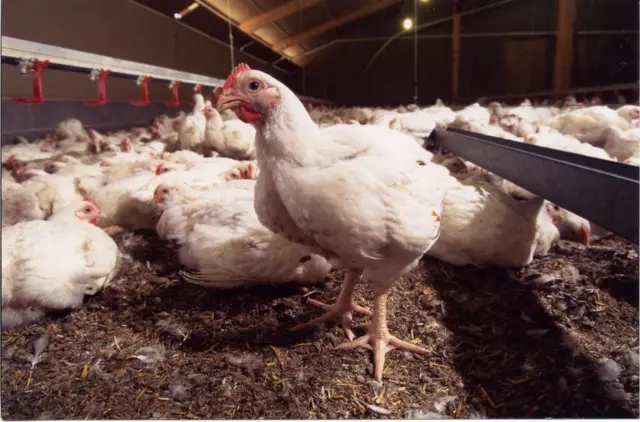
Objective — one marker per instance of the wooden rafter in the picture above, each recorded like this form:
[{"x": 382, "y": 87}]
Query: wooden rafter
[
  {"x": 221, "y": 12},
  {"x": 564, "y": 44},
  {"x": 334, "y": 23},
  {"x": 270, "y": 16}
]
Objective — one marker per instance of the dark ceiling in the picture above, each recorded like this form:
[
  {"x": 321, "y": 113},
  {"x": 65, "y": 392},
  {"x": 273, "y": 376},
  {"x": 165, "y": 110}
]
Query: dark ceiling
[{"x": 211, "y": 18}]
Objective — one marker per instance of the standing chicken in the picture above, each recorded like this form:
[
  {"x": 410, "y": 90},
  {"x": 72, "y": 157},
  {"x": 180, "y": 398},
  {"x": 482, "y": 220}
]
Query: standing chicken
[
  {"x": 231, "y": 138},
  {"x": 192, "y": 127},
  {"x": 355, "y": 194}
]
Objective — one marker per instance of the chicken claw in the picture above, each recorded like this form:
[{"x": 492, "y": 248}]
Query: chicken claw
[
  {"x": 342, "y": 309},
  {"x": 379, "y": 340}
]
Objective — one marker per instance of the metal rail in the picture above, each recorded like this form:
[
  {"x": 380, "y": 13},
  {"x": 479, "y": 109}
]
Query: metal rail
[
  {"x": 67, "y": 59},
  {"x": 604, "y": 192},
  {"x": 15, "y": 50}
]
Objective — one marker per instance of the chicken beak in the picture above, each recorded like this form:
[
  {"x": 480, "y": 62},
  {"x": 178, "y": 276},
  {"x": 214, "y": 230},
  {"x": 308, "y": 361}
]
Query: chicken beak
[{"x": 226, "y": 102}]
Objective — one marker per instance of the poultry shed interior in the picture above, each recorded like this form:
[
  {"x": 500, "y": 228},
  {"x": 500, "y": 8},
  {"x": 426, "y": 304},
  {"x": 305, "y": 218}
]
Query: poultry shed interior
[{"x": 220, "y": 209}]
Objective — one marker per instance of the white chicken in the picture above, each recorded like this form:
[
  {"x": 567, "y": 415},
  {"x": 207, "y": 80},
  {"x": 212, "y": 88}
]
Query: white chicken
[
  {"x": 348, "y": 192},
  {"x": 119, "y": 200},
  {"x": 70, "y": 128},
  {"x": 192, "y": 127},
  {"x": 485, "y": 128},
  {"x": 231, "y": 138},
  {"x": 573, "y": 227},
  {"x": 418, "y": 124},
  {"x": 19, "y": 204},
  {"x": 474, "y": 113},
  {"x": 622, "y": 144},
  {"x": 184, "y": 157},
  {"x": 54, "y": 192},
  {"x": 629, "y": 112},
  {"x": 587, "y": 124},
  {"x": 483, "y": 226},
  {"x": 224, "y": 243},
  {"x": 567, "y": 143},
  {"x": 52, "y": 265}
]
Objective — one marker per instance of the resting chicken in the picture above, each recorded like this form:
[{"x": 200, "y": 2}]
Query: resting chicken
[
  {"x": 51, "y": 265},
  {"x": 224, "y": 244}
]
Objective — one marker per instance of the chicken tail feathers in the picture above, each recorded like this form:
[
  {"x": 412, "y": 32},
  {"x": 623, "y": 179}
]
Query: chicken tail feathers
[{"x": 217, "y": 278}]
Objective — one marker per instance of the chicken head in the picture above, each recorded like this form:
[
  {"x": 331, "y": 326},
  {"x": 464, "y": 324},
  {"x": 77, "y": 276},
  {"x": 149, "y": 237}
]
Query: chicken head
[
  {"x": 163, "y": 193},
  {"x": 241, "y": 171},
  {"x": 125, "y": 145},
  {"x": 89, "y": 211},
  {"x": 163, "y": 168},
  {"x": 249, "y": 94},
  {"x": 570, "y": 226}
]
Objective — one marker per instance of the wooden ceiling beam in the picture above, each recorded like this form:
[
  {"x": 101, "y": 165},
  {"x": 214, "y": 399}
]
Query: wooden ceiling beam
[
  {"x": 270, "y": 16},
  {"x": 334, "y": 23},
  {"x": 565, "y": 44}
]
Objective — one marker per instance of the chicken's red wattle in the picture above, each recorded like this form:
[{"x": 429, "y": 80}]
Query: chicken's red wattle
[{"x": 248, "y": 115}]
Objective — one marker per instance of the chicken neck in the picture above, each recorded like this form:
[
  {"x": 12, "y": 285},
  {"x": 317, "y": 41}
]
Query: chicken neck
[{"x": 290, "y": 135}]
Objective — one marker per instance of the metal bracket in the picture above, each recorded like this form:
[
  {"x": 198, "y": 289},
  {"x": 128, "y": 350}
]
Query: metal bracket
[
  {"x": 174, "y": 86},
  {"x": 604, "y": 192},
  {"x": 143, "y": 80}
]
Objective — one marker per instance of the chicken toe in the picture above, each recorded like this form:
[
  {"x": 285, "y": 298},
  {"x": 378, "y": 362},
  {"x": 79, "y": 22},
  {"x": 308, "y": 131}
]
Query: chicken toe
[
  {"x": 342, "y": 309},
  {"x": 379, "y": 340}
]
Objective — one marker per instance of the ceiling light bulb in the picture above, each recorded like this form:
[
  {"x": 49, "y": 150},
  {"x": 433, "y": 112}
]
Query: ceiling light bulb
[
  {"x": 424, "y": 1},
  {"x": 407, "y": 24},
  {"x": 177, "y": 16}
]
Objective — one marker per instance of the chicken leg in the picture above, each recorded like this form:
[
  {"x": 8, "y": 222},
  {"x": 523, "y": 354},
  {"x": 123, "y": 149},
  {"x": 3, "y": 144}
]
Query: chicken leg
[
  {"x": 343, "y": 307},
  {"x": 379, "y": 340}
]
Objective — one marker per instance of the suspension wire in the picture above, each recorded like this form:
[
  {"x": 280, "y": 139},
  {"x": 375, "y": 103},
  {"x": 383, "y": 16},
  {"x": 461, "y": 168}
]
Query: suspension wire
[
  {"x": 415, "y": 52},
  {"x": 231, "y": 53},
  {"x": 301, "y": 22}
]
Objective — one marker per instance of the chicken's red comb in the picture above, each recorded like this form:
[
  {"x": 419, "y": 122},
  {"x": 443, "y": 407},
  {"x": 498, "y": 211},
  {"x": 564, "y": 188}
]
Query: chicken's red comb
[
  {"x": 159, "y": 168},
  {"x": 91, "y": 201},
  {"x": 241, "y": 68}
]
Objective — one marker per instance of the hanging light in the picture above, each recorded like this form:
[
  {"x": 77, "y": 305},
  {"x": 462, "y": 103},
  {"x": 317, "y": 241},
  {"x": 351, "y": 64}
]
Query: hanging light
[
  {"x": 424, "y": 1},
  {"x": 407, "y": 24},
  {"x": 184, "y": 12}
]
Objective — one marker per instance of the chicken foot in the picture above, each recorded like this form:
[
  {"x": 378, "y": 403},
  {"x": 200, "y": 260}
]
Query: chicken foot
[
  {"x": 342, "y": 308},
  {"x": 379, "y": 340}
]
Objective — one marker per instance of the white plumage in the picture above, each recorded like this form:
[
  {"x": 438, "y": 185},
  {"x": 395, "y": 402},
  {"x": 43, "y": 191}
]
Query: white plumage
[
  {"x": 355, "y": 194},
  {"x": 346, "y": 187},
  {"x": 51, "y": 265},
  {"x": 225, "y": 245}
]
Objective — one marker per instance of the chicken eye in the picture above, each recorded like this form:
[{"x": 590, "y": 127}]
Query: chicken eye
[
  {"x": 88, "y": 209},
  {"x": 165, "y": 191},
  {"x": 253, "y": 85}
]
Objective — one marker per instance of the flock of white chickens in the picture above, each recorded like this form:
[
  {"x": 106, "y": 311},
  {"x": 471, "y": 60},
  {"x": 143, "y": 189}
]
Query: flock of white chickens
[{"x": 256, "y": 190}]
